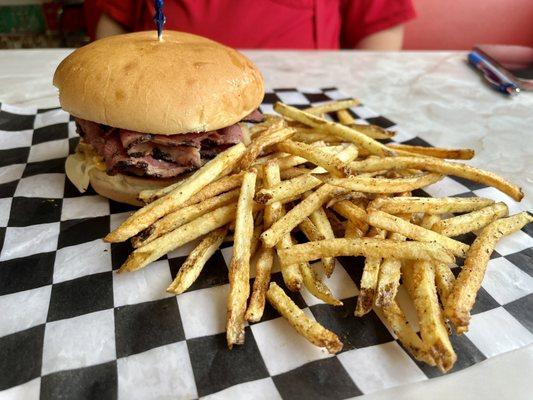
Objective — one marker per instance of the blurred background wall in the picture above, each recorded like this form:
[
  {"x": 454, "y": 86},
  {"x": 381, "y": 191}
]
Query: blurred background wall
[{"x": 441, "y": 24}]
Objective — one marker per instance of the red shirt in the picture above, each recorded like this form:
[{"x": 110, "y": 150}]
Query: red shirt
[{"x": 272, "y": 24}]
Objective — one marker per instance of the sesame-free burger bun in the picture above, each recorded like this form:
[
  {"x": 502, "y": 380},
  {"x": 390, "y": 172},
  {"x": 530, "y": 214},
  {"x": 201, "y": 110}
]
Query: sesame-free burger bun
[{"x": 184, "y": 83}]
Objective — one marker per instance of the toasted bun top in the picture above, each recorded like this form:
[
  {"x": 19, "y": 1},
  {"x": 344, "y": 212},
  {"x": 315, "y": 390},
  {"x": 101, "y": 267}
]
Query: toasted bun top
[{"x": 184, "y": 83}]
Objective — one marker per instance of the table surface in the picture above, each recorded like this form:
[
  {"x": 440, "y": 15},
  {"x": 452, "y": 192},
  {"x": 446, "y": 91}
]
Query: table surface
[{"x": 434, "y": 95}]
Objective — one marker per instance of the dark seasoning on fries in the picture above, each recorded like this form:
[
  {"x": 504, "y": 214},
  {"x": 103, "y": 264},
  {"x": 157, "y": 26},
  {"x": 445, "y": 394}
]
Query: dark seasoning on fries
[{"x": 349, "y": 195}]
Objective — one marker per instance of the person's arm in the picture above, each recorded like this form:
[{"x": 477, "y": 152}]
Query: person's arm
[
  {"x": 107, "y": 27},
  {"x": 387, "y": 40}
]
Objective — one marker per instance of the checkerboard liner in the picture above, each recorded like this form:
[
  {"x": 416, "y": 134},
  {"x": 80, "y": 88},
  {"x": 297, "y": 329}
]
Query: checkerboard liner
[{"x": 70, "y": 327}]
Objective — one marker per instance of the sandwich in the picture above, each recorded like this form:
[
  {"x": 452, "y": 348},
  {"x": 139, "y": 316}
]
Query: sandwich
[{"x": 150, "y": 112}]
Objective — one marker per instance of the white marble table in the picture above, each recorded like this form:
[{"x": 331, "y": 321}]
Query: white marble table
[{"x": 432, "y": 94}]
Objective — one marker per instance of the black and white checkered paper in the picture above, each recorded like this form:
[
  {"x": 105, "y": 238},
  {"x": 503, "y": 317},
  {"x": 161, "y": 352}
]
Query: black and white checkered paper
[{"x": 71, "y": 328}]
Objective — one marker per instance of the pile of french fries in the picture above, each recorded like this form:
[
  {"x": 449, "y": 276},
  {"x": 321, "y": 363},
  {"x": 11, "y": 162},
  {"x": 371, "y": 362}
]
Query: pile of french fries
[{"x": 349, "y": 195}]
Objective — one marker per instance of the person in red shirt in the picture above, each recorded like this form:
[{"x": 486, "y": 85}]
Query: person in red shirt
[{"x": 269, "y": 24}]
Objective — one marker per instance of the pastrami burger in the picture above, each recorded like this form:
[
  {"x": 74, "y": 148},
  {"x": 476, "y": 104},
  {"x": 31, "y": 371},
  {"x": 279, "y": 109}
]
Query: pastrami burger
[{"x": 149, "y": 112}]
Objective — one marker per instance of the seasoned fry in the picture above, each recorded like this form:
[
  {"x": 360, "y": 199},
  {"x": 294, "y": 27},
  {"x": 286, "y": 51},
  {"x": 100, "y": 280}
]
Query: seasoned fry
[
  {"x": 397, "y": 322},
  {"x": 419, "y": 279},
  {"x": 472, "y": 221},
  {"x": 439, "y": 152},
  {"x": 290, "y": 220},
  {"x": 264, "y": 139},
  {"x": 345, "y": 117},
  {"x": 428, "y": 220},
  {"x": 337, "y": 225},
  {"x": 313, "y": 154},
  {"x": 367, "y": 247},
  {"x": 254, "y": 244},
  {"x": 320, "y": 219},
  {"x": 195, "y": 262},
  {"x": 392, "y": 223},
  {"x": 463, "y": 295},
  {"x": 183, "y": 215},
  {"x": 315, "y": 286},
  {"x": 287, "y": 189},
  {"x": 429, "y": 205},
  {"x": 290, "y": 272},
  {"x": 309, "y": 136},
  {"x": 355, "y": 214},
  {"x": 239, "y": 268},
  {"x": 384, "y": 185},
  {"x": 352, "y": 231},
  {"x": 389, "y": 276},
  {"x": 349, "y": 153},
  {"x": 293, "y": 172},
  {"x": 310, "y": 230},
  {"x": 150, "y": 213},
  {"x": 444, "y": 280},
  {"x": 144, "y": 255},
  {"x": 305, "y": 326},
  {"x": 438, "y": 166},
  {"x": 290, "y": 161},
  {"x": 273, "y": 211},
  {"x": 344, "y": 132},
  {"x": 332, "y": 106},
  {"x": 369, "y": 279}
]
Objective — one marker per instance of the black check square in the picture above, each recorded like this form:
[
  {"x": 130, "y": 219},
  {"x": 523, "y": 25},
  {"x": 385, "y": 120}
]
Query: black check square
[
  {"x": 380, "y": 121},
  {"x": 271, "y": 98},
  {"x": 55, "y": 166},
  {"x": 50, "y": 132},
  {"x": 117, "y": 208},
  {"x": 26, "y": 273},
  {"x": 469, "y": 184},
  {"x": 119, "y": 253},
  {"x": 21, "y": 357},
  {"x": 322, "y": 379},
  {"x": 522, "y": 310},
  {"x": 26, "y": 211},
  {"x": 216, "y": 368},
  {"x": 72, "y": 191},
  {"x": 81, "y": 296},
  {"x": 484, "y": 302},
  {"x": 523, "y": 260},
  {"x": 214, "y": 272},
  {"x": 77, "y": 231},
  {"x": 316, "y": 97},
  {"x": 15, "y": 122},
  {"x": 95, "y": 382},
  {"x": 2, "y": 237},
  {"x": 72, "y": 144},
  {"x": 354, "y": 267},
  {"x": 417, "y": 142},
  {"x": 141, "y": 327},
  {"x": 8, "y": 189},
  {"x": 270, "y": 312},
  {"x": 14, "y": 156}
]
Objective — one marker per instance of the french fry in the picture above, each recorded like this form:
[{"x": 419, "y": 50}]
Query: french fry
[
  {"x": 313, "y": 154},
  {"x": 310, "y": 230},
  {"x": 429, "y": 205},
  {"x": 271, "y": 121},
  {"x": 345, "y": 117},
  {"x": 332, "y": 106},
  {"x": 367, "y": 247},
  {"x": 309, "y": 136},
  {"x": 352, "y": 231},
  {"x": 292, "y": 277},
  {"x": 337, "y": 225},
  {"x": 398, "y": 323},
  {"x": 463, "y": 295},
  {"x": 428, "y": 220},
  {"x": 183, "y": 215},
  {"x": 287, "y": 189},
  {"x": 369, "y": 279},
  {"x": 344, "y": 132},
  {"x": 305, "y": 326},
  {"x": 368, "y": 184},
  {"x": 264, "y": 139},
  {"x": 320, "y": 219},
  {"x": 315, "y": 286},
  {"x": 290, "y": 161},
  {"x": 355, "y": 214},
  {"x": 254, "y": 244},
  {"x": 293, "y": 172},
  {"x": 438, "y": 152},
  {"x": 195, "y": 262},
  {"x": 472, "y": 221},
  {"x": 389, "y": 276},
  {"x": 150, "y": 213},
  {"x": 444, "y": 280},
  {"x": 349, "y": 153},
  {"x": 419, "y": 279},
  {"x": 239, "y": 268},
  {"x": 392, "y": 223},
  {"x": 290, "y": 220},
  {"x": 150, "y": 252},
  {"x": 438, "y": 166}
]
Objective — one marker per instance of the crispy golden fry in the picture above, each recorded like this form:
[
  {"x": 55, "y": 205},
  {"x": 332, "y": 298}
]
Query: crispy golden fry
[
  {"x": 313, "y": 154},
  {"x": 264, "y": 139},
  {"x": 439, "y": 152},
  {"x": 472, "y": 221},
  {"x": 239, "y": 268},
  {"x": 397, "y": 322},
  {"x": 195, "y": 262},
  {"x": 315, "y": 286},
  {"x": 254, "y": 245},
  {"x": 428, "y": 220},
  {"x": 305, "y": 326},
  {"x": 150, "y": 213},
  {"x": 344, "y": 132},
  {"x": 463, "y": 295},
  {"x": 309, "y": 136},
  {"x": 349, "y": 153},
  {"x": 320, "y": 219},
  {"x": 345, "y": 117},
  {"x": 369, "y": 279},
  {"x": 384, "y": 185},
  {"x": 143, "y": 256},
  {"x": 290, "y": 220},
  {"x": 332, "y": 106},
  {"x": 310, "y": 230},
  {"x": 392, "y": 223},
  {"x": 271, "y": 121},
  {"x": 183, "y": 215},
  {"x": 367, "y": 247},
  {"x": 337, "y": 225},
  {"x": 293, "y": 172},
  {"x": 389, "y": 276},
  {"x": 444, "y": 280},
  {"x": 352, "y": 231},
  {"x": 290, "y": 272},
  {"x": 373, "y": 131},
  {"x": 438, "y": 166},
  {"x": 287, "y": 189},
  {"x": 290, "y": 161},
  {"x": 355, "y": 214},
  {"x": 429, "y": 205},
  {"x": 419, "y": 279},
  {"x": 273, "y": 211}
]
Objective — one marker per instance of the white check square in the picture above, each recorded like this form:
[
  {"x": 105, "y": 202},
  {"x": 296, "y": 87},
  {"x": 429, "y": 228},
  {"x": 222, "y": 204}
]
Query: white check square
[
  {"x": 22, "y": 242},
  {"x": 79, "y": 342},
  {"x": 12, "y": 140},
  {"x": 514, "y": 243},
  {"x": 292, "y": 97},
  {"x": 496, "y": 195},
  {"x": 27, "y": 391},
  {"x": 49, "y": 150},
  {"x": 446, "y": 187},
  {"x": 72, "y": 129},
  {"x": 18, "y": 110},
  {"x": 43, "y": 185},
  {"x": 5, "y": 208},
  {"x": 83, "y": 259},
  {"x": 506, "y": 282},
  {"x": 11, "y": 173},
  {"x": 261, "y": 389},
  {"x": 51, "y": 117},
  {"x": 84, "y": 207}
]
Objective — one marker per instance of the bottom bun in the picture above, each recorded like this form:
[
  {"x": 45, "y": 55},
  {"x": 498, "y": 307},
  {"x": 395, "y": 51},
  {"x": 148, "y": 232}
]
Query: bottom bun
[{"x": 83, "y": 168}]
